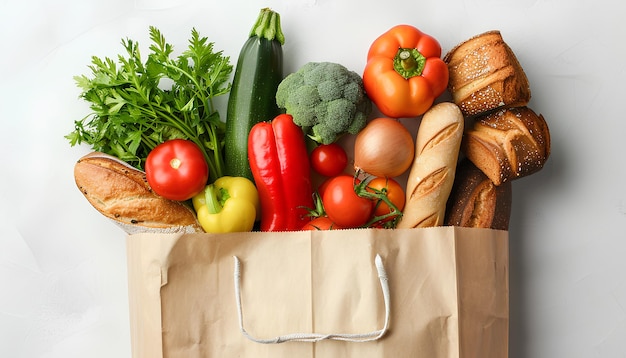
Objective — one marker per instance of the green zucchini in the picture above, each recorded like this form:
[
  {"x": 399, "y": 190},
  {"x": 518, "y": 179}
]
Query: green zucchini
[{"x": 252, "y": 96}]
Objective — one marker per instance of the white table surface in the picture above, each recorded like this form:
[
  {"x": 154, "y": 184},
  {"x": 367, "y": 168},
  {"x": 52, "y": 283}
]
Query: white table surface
[{"x": 63, "y": 266}]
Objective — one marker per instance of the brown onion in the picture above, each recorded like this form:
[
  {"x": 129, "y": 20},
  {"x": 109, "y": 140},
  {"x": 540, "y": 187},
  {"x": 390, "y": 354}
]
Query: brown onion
[{"x": 384, "y": 148}]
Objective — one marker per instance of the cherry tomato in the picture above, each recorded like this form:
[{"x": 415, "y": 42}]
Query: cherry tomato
[
  {"x": 329, "y": 159},
  {"x": 176, "y": 169},
  {"x": 321, "y": 223},
  {"x": 392, "y": 189},
  {"x": 342, "y": 204}
]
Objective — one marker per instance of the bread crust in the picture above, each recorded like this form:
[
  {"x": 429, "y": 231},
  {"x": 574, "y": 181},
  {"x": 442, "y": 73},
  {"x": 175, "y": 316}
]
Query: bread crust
[
  {"x": 432, "y": 173},
  {"x": 122, "y": 194},
  {"x": 476, "y": 202},
  {"x": 508, "y": 144},
  {"x": 485, "y": 75}
]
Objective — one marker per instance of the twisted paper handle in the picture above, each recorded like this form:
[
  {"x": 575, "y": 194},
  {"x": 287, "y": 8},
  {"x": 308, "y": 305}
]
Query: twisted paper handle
[{"x": 316, "y": 337}]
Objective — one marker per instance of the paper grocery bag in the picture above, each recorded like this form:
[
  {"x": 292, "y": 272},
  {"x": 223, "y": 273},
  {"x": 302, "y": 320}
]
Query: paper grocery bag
[{"x": 431, "y": 292}]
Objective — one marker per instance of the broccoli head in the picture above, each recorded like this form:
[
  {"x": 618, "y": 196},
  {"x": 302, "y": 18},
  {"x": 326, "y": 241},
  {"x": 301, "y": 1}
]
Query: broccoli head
[{"x": 326, "y": 99}]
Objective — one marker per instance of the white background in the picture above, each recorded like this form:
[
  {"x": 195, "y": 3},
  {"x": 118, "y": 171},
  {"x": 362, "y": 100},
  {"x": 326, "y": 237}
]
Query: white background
[{"x": 63, "y": 266}]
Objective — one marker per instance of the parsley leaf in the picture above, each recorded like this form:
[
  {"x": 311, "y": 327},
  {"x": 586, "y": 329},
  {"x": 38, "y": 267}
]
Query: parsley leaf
[{"x": 136, "y": 104}]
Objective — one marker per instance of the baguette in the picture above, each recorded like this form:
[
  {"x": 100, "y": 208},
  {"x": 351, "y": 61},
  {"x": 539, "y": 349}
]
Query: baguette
[
  {"x": 432, "y": 173},
  {"x": 121, "y": 193},
  {"x": 476, "y": 202}
]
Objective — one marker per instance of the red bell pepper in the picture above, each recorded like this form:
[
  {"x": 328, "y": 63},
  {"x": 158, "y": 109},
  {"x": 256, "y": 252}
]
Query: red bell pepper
[{"x": 280, "y": 167}]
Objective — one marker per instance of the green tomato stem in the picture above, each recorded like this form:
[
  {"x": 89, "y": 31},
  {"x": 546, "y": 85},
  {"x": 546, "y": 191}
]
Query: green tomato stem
[{"x": 378, "y": 196}]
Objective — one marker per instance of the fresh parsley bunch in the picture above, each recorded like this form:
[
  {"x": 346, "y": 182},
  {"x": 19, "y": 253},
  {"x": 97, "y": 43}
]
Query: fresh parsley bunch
[{"x": 133, "y": 110}]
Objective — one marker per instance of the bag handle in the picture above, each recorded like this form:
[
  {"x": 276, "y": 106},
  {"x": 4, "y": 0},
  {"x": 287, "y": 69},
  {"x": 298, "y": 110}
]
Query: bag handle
[{"x": 316, "y": 337}]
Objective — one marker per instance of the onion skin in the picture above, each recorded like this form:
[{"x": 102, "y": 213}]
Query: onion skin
[{"x": 384, "y": 148}]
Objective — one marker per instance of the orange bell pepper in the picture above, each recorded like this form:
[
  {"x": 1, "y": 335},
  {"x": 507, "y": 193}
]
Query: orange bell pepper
[{"x": 404, "y": 73}]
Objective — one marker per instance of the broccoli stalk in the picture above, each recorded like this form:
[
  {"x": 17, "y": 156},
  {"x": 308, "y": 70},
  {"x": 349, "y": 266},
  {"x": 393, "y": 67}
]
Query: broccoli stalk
[{"x": 326, "y": 99}]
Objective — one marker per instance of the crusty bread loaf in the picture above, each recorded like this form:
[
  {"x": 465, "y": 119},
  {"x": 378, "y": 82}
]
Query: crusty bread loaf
[
  {"x": 432, "y": 172},
  {"x": 476, "y": 202},
  {"x": 508, "y": 144},
  {"x": 485, "y": 74},
  {"x": 122, "y": 193}
]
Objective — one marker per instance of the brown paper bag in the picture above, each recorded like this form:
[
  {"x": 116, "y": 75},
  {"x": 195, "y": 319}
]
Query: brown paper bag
[{"x": 434, "y": 292}]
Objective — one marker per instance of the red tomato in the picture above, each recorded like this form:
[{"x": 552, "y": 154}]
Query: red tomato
[
  {"x": 329, "y": 159},
  {"x": 320, "y": 223},
  {"x": 176, "y": 169},
  {"x": 342, "y": 204},
  {"x": 322, "y": 187},
  {"x": 392, "y": 189}
]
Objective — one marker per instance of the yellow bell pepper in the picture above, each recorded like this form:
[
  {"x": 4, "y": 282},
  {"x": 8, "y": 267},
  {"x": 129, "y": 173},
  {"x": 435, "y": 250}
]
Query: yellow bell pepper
[{"x": 230, "y": 204}]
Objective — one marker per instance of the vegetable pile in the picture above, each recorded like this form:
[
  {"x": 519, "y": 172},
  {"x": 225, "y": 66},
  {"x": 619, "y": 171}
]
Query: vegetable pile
[{"x": 278, "y": 160}]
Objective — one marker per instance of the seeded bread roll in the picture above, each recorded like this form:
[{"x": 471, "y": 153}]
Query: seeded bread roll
[
  {"x": 122, "y": 194},
  {"x": 508, "y": 144},
  {"x": 485, "y": 74},
  {"x": 432, "y": 172},
  {"x": 476, "y": 202}
]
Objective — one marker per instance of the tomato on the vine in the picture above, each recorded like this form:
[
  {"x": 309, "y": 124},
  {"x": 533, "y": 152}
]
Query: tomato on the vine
[
  {"x": 342, "y": 204},
  {"x": 322, "y": 187},
  {"x": 176, "y": 169},
  {"x": 321, "y": 223},
  {"x": 390, "y": 188},
  {"x": 329, "y": 159}
]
